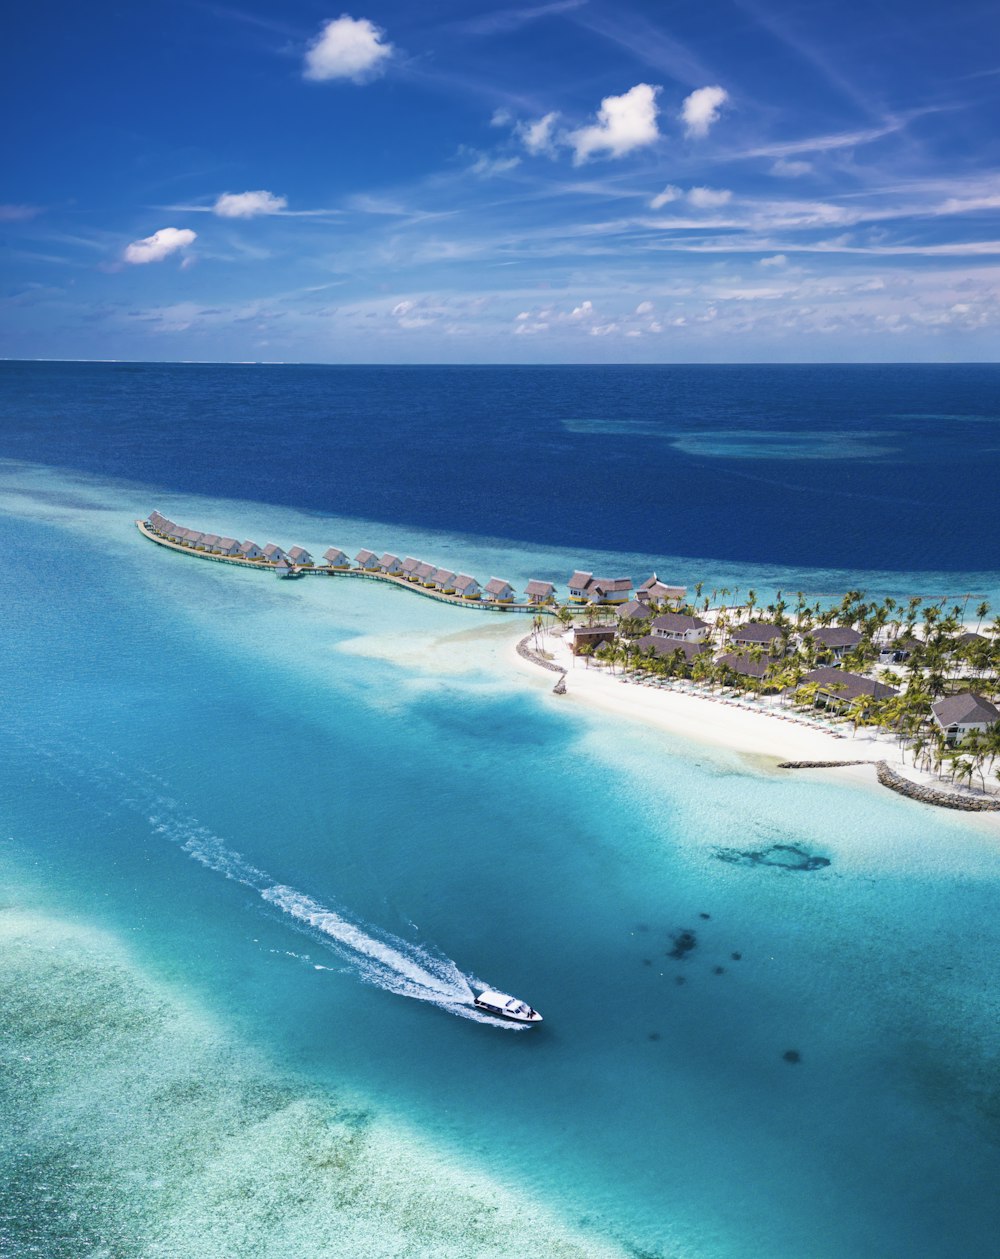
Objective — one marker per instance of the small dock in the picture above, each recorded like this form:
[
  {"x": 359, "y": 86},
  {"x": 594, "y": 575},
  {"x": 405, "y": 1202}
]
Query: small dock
[{"x": 294, "y": 572}]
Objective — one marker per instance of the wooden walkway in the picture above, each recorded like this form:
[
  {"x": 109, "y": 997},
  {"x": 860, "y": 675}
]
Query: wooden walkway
[{"x": 322, "y": 570}]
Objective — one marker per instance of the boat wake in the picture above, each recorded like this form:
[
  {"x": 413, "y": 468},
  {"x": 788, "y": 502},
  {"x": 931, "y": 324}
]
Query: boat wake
[{"x": 376, "y": 957}]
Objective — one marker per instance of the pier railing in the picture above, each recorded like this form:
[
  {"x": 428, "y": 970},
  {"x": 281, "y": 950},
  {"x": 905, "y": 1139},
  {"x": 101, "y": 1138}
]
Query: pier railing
[{"x": 326, "y": 570}]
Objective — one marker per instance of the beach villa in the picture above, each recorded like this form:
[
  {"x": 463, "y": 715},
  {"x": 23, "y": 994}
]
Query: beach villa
[
  {"x": 392, "y": 565},
  {"x": 336, "y": 558},
  {"x": 959, "y": 715},
  {"x": 367, "y": 560},
  {"x": 634, "y": 610},
  {"x": 467, "y": 586},
  {"x": 838, "y": 688},
  {"x": 834, "y": 640},
  {"x": 759, "y": 634},
  {"x": 299, "y": 555},
  {"x": 668, "y": 647},
  {"x": 251, "y": 551},
  {"x": 680, "y": 627},
  {"x": 540, "y": 591},
  {"x": 743, "y": 664},
  {"x": 499, "y": 591}
]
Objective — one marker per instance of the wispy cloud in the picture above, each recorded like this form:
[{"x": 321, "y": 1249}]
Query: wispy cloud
[
  {"x": 503, "y": 21},
  {"x": 18, "y": 213}
]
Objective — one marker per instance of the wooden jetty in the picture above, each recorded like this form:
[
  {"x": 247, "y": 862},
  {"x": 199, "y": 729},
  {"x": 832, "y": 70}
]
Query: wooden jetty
[{"x": 323, "y": 570}]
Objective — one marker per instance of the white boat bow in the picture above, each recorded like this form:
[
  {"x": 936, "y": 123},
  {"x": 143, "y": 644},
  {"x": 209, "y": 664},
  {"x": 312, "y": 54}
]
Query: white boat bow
[{"x": 506, "y": 1006}]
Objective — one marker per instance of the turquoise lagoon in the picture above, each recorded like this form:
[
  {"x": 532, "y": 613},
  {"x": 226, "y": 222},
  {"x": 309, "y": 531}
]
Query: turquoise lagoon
[{"x": 259, "y": 837}]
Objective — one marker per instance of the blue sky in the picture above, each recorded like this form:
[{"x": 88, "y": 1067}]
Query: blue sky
[{"x": 464, "y": 181}]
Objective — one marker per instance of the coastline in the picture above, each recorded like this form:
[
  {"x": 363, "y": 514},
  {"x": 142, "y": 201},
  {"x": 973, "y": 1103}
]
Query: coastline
[{"x": 763, "y": 739}]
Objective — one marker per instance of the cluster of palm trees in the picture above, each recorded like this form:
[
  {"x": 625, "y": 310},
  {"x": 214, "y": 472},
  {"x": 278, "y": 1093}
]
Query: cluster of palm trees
[{"x": 919, "y": 646}]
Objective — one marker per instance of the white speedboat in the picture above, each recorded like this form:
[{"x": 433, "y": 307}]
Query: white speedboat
[{"x": 506, "y": 1006}]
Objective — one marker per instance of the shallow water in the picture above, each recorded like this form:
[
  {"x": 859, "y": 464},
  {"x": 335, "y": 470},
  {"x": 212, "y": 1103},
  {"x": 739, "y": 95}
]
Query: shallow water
[{"x": 301, "y": 805}]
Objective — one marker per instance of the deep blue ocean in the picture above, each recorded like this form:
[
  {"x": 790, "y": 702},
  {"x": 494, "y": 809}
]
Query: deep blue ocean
[{"x": 259, "y": 838}]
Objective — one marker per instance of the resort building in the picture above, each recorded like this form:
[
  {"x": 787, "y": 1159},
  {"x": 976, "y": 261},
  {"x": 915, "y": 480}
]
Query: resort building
[
  {"x": 743, "y": 664},
  {"x": 840, "y": 689},
  {"x": 834, "y": 640},
  {"x": 210, "y": 542},
  {"x": 283, "y": 568},
  {"x": 467, "y": 586},
  {"x": 251, "y": 551},
  {"x": 444, "y": 580},
  {"x": 759, "y": 634},
  {"x": 540, "y": 591},
  {"x": 680, "y": 628},
  {"x": 969, "y": 639},
  {"x": 367, "y": 560},
  {"x": 655, "y": 591},
  {"x": 336, "y": 558},
  {"x": 229, "y": 546},
  {"x": 579, "y": 585},
  {"x": 273, "y": 553},
  {"x": 190, "y": 537},
  {"x": 634, "y": 610},
  {"x": 499, "y": 591},
  {"x": 610, "y": 589},
  {"x": 668, "y": 647},
  {"x": 424, "y": 573},
  {"x": 408, "y": 568},
  {"x": 391, "y": 564},
  {"x": 959, "y": 715},
  {"x": 592, "y": 635},
  {"x": 299, "y": 555}
]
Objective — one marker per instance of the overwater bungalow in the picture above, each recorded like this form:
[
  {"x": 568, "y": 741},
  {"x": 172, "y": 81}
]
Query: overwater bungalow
[
  {"x": 540, "y": 592},
  {"x": 759, "y": 634},
  {"x": 408, "y": 568},
  {"x": 367, "y": 560},
  {"x": 424, "y": 573},
  {"x": 274, "y": 554},
  {"x": 283, "y": 568},
  {"x": 174, "y": 532},
  {"x": 679, "y": 627},
  {"x": 499, "y": 591},
  {"x": 467, "y": 586},
  {"x": 444, "y": 580},
  {"x": 613, "y": 590},
  {"x": 579, "y": 586},
  {"x": 300, "y": 556},
  {"x": 250, "y": 550},
  {"x": 191, "y": 537},
  {"x": 229, "y": 546},
  {"x": 655, "y": 591},
  {"x": 336, "y": 558},
  {"x": 839, "y": 689},
  {"x": 960, "y": 715},
  {"x": 210, "y": 542},
  {"x": 391, "y": 564},
  {"x": 834, "y": 640}
]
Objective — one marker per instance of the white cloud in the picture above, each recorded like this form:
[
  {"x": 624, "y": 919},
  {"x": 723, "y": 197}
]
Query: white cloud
[
  {"x": 247, "y": 205},
  {"x": 537, "y": 136},
  {"x": 787, "y": 169},
  {"x": 584, "y": 311},
  {"x": 644, "y": 308},
  {"x": 501, "y": 118},
  {"x": 624, "y": 123},
  {"x": 778, "y": 261},
  {"x": 670, "y": 193},
  {"x": 160, "y": 245},
  {"x": 347, "y": 48},
  {"x": 709, "y": 198},
  {"x": 701, "y": 109}
]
